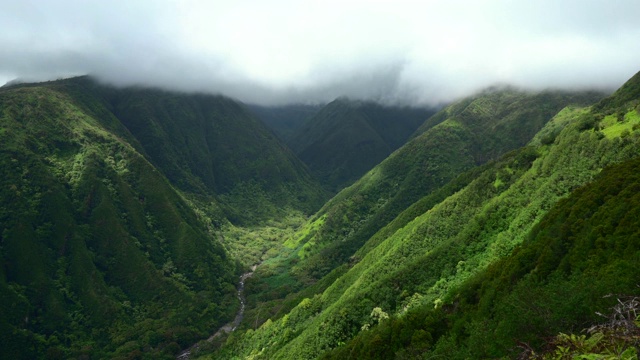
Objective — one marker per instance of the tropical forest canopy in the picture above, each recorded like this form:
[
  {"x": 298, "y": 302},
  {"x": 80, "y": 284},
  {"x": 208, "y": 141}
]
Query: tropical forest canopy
[{"x": 498, "y": 226}]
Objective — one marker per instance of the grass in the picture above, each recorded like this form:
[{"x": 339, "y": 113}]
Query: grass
[
  {"x": 551, "y": 130},
  {"x": 612, "y": 127},
  {"x": 304, "y": 233},
  {"x": 261, "y": 243},
  {"x": 498, "y": 183}
]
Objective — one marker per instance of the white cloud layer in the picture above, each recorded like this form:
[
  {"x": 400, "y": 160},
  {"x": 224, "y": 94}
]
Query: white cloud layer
[{"x": 282, "y": 51}]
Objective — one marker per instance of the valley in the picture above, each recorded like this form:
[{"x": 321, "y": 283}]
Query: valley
[
  {"x": 318, "y": 180},
  {"x": 230, "y": 327},
  {"x": 139, "y": 223}
]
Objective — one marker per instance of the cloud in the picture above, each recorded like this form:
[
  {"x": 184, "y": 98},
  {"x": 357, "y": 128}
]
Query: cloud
[{"x": 282, "y": 51}]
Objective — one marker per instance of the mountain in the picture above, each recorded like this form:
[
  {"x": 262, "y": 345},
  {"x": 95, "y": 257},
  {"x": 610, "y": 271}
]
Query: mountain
[
  {"x": 100, "y": 255},
  {"x": 346, "y": 138},
  {"x": 284, "y": 120},
  {"x": 212, "y": 145},
  {"x": 499, "y": 229},
  {"x": 110, "y": 206},
  {"x": 577, "y": 262},
  {"x": 517, "y": 249},
  {"x": 468, "y": 133}
]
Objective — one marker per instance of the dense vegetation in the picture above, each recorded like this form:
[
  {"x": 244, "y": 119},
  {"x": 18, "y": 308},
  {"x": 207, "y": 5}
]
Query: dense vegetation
[
  {"x": 285, "y": 120},
  {"x": 502, "y": 228},
  {"x": 112, "y": 206},
  {"x": 211, "y": 144},
  {"x": 426, "y": 287},
  {"x": 99, "y": 254},
  {"x": 579, "y": 260},
  {"x": 468, "y": 133},
  {"x": 347, "y": 138}
]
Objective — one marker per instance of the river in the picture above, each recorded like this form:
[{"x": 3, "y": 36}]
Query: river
[{"x": 186, "y": 354}]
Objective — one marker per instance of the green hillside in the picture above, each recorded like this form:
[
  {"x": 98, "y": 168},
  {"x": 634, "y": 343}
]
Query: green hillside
[
  {"x": 100, "y": 255},
  {"x": 113, "y": 209},
  {"x": 404, "y": 293},
  {"x": 212, "y": 145},
  {"x": 346, "y": 138},
  {"x": 579, "y": 260},
  {"x": 507, "y": 220},
  {"x": 284, "y": 120},
  {"x": 469, "y": 133}
]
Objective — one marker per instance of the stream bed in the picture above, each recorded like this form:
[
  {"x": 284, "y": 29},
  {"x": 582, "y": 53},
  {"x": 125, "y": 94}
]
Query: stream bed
[{"x": 230, "y": 327}]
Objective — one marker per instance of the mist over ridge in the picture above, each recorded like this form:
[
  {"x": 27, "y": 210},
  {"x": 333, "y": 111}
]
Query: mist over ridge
[{"x": 282, "y": 52}]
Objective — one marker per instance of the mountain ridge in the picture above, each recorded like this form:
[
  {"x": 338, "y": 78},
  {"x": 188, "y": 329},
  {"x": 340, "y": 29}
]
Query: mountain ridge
[
  {"x": 457, "y": 143},
  {"x": 104, "y": 250},
  {"x": 209, "y": 144},
  {"x": 284, "y": 120},
  {"x": 94, "y": 236},
  {"x": 346, "y": 138},
  {"x": 421, "y": 263},
  {"x": 127, "y": 215}
]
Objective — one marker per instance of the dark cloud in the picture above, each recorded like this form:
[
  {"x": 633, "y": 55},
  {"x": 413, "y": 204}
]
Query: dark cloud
[{"x": 274, "y": 52}]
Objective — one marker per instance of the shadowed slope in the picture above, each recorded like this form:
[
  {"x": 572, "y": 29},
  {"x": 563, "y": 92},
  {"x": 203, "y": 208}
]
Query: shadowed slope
[
  {"x": 347, "y": 138},
  {"x": 99, "y": 254}
]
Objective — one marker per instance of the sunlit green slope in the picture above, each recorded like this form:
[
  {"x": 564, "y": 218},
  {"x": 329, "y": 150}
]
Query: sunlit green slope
[
  {"x": 579, "y": 261},
  {"x": 420, "y": 261},
  {"x": 468, "y": 133}
]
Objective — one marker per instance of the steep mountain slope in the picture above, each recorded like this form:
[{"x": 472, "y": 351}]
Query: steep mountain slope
[
  {"x": 421, "y": 260},
  {"x": 108, "y": 209},
  {"x": 585, "y": 248},
  {"x": 99, "y": 254},
  {"x": 284, "y": 120},
  {"x": 347, "y": 138},
  {"x": 212, "y": 145},
  {"x": 468, "y": 133}
]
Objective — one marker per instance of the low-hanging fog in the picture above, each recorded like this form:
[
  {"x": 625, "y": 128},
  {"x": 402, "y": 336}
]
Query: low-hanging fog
[{"x": 276, "y": 52}]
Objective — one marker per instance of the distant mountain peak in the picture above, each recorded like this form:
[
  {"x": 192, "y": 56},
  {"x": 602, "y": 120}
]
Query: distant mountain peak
[{"x": 346, "y": 138}]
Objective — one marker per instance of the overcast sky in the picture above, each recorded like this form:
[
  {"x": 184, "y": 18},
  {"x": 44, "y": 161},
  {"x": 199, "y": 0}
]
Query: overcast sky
[{"x": 278, "y": 51}]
